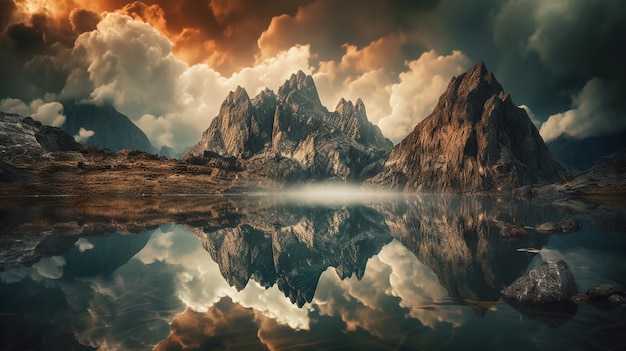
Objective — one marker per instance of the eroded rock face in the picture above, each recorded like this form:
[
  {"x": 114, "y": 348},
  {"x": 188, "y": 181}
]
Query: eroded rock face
[
  {"x": 291, "y": 136},
  {"x": 24, "y": 140},
  {"x": 546, "y": 283},
  {"x": 476, "y": 139},
  {"x": 351, "y": 119},
  {"x": 56, "y": 139}
]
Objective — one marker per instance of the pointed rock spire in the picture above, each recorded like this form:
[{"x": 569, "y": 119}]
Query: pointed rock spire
[
  {"x": 475, "y": 139},
  {"x": 300, "y": 88}
]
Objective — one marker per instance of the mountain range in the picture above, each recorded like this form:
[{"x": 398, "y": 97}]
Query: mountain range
[
  {"x": 475, "y": 140},
  {"x": 291, "y": 136}
]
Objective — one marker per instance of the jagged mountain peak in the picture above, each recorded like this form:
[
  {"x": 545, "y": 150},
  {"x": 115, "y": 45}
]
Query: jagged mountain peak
[
  {"x": 479, "y": 78},
  {"x": 343, "y": 105},
  {"x": 475, "y": 139},
  {"x": 300, "y": 89},
  {"x": 352, "y": 120},
  {"x": 346, "y": 109},
  {"x": 237, "y": 97},
  {"x": 292, "y": 136},
  {"x": 359, "y": 104},
  {"x": 264, "y": 94},
  {"x": 468, "y": 92}
]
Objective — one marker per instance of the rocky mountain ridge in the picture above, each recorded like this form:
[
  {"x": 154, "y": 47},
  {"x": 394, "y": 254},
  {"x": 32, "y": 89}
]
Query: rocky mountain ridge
[
  {"x": 291, "y": 136},
  {"x": 476, "y": 139}
]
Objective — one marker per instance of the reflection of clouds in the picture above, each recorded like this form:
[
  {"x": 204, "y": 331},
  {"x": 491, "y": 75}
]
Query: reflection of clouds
[
  {"x": 46, "y": 267},
  {"x": 394, "y": 272},
  {"x": 417, "y": 285},
  {"x": 274, "y": 304},
  {"x": 132, "y": 308},
  {"x": 14, "y": 275},
  {"x": 83, "y": 244},
  {"x": 49, "y": 267},
  {"x": 199, "y": 283}
]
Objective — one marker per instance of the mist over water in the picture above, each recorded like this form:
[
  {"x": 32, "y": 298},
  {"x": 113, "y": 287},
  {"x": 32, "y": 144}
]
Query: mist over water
[{"x": 332, "y": 194}]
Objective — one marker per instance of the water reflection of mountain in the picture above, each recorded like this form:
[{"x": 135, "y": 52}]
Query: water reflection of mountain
[
  {"x": 457, "y": 237},
  {"x": 292, "y": 246}
]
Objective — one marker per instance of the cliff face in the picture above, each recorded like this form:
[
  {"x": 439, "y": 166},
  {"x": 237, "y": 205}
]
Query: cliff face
[
  {"x": 24, "y": 140},
  {"x": 476, "y": 139},
  {"x": 291, "y": 136}
]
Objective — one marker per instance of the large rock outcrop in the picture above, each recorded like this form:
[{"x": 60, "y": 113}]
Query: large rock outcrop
[
  {"x": 291, "y": 136},
  {"x": 547, "y": 283},
  {"x": 476, "y": 139},
  {"x": 24, "y": 140}
]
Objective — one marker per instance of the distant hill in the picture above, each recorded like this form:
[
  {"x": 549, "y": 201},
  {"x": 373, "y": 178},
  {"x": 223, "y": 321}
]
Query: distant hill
[
  {"x": 112, "y": 130},
  {"x": 581, "y": 154}
]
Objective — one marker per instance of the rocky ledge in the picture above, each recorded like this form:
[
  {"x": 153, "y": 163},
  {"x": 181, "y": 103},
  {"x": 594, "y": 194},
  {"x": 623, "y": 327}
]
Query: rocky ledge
[{"x": 43, "y": 160}]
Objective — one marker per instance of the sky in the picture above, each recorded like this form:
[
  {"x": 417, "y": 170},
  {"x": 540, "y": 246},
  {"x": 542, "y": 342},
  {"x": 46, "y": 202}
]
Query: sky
[{"x": 169, "y": 64}]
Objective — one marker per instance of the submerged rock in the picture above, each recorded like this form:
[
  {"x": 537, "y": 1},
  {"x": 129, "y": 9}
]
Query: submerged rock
[
  {"x": 513, "y": 231},
  {"x": 617, "y": 299},
  {"x": 604, "y": 290},
  {"x": 579, "y": 298},
  {"x": 569, "y": 226},
  {"x": 565, "y": 226},
  {"x": 547, "y": 283}
]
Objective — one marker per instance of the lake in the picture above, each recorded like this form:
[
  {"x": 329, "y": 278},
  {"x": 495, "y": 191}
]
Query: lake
[{"x": 336, "y": 271}]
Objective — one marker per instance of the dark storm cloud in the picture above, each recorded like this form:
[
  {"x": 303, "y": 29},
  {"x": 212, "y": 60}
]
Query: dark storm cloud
[
  {"x": 7, "y": 8},
  {"x": 220, "y": 33},
  {"x": 544, "y": 52},
  {"x": 83, "y": 20},
  {"x": 553, "y": 56},
  {"x": 31, "y": 47}
]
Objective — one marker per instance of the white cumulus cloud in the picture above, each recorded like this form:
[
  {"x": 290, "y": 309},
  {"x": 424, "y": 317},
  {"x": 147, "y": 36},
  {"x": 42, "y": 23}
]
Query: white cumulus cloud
[
  {"x": 417, "y": 93},
  {"x": 130, "y": 64},
  {"x": 83, "y": 135},
  {"x": 48, "y": 113},
  {"x": 593, "y": 113}
]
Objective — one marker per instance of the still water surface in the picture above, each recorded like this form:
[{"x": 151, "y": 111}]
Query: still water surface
[{"x": 259, "y": 273}]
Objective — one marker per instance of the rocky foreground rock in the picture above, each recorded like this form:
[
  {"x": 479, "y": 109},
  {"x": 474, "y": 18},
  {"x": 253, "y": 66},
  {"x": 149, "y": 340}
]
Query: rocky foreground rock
[
  {"x": 291, "y": 136},
  {"x": 476, "y": 139},
  {"x": 547, "y": 283}
]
